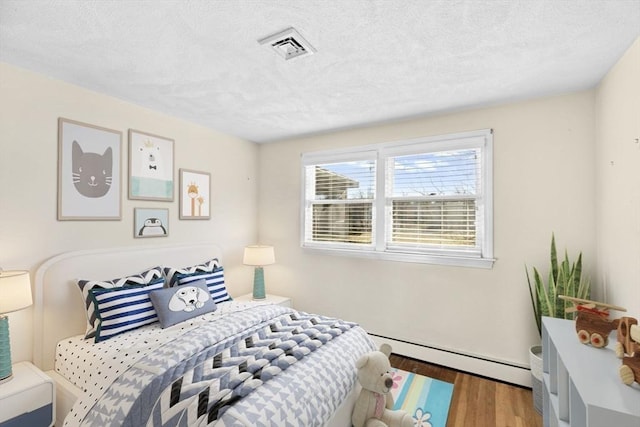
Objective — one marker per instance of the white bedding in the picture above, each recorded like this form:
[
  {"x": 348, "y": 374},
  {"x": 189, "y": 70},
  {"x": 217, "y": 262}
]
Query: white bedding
[
  {"x": 77, "y": 357},
  {"x": 313, "y": 390}
]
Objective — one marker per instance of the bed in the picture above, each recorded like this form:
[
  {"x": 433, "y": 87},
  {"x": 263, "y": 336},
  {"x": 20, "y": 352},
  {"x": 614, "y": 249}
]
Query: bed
[{"x": 238, "y": 364}]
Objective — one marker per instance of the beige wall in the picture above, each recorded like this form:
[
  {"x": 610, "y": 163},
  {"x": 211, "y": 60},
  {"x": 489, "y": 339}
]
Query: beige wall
[
  {"x": 543, "y": 183},
  {"x": 618, "y": 178},
  {"x": 30, "y": 105},
  {"x": 544, "y": 180}
]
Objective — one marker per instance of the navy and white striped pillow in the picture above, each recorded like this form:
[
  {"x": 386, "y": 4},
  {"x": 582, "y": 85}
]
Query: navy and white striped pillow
[
  {"x": 122, "y": 309},
  {"x": 214, "y": 280},
  {"x": 204, "y": 267},
  {"x": 86, "y": 286}
]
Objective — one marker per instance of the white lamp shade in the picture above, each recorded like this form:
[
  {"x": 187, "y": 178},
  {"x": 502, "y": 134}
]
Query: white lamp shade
[
  {"x": 259, "y": 255},
  {"x": 15, "y": 291}
]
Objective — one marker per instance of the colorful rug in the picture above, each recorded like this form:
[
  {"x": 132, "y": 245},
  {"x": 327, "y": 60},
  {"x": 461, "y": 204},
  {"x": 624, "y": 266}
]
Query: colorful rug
[{"x": 425, "y": 399}]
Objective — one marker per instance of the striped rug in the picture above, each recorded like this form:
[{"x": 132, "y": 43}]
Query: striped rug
[{"x": 425, "y": 399}]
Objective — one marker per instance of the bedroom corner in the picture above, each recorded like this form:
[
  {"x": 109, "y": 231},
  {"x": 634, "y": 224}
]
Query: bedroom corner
[{"x": 30, "y": 106}]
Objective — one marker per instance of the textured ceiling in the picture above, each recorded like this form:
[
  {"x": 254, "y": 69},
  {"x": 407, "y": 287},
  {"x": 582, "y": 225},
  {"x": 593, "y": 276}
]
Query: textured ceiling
[{"x": 376, "y": 61}]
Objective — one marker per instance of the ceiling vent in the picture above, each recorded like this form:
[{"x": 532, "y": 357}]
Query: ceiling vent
[{"x": 289, "y": 44}]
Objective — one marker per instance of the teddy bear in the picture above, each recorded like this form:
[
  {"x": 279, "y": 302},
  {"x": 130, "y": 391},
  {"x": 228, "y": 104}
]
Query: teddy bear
[{"x": 373, "y": 407}]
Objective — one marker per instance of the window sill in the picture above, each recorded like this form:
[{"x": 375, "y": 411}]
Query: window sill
[{"x": 457, "y": 261}]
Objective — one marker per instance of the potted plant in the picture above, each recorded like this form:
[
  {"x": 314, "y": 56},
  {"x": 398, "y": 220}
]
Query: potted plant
[{"x": 565, "y": 278}]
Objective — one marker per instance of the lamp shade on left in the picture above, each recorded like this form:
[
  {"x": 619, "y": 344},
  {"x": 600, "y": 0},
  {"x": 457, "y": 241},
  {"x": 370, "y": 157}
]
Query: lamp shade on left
[{"x": 15, "y": 291}]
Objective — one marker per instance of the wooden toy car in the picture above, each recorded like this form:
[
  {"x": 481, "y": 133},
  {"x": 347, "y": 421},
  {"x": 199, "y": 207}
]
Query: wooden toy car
[
  {"x": 593, "y": 326},
  {"x": 630, "y": 369},
  {"x": 592, "y": 320},
  {"x": 626, "y": 346}
]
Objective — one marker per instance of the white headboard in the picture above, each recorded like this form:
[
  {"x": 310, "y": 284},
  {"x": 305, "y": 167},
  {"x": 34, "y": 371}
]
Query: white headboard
[{"x": 58, "y": 307}]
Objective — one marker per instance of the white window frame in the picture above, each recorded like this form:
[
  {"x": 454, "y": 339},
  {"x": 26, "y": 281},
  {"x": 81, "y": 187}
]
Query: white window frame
[{"x": 481, "y": 257}]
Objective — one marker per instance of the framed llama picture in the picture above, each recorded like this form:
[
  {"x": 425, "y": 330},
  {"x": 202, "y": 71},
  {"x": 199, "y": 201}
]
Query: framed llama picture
[
  {"x": 150, "y": 222},
  {"x": 89, "y": 184},
  {"x": 195, "y": 194},
  {"x": 150, "y": 167}
]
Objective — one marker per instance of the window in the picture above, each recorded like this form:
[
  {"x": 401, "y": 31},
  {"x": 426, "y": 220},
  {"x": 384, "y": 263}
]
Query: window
[{"x": 424, "y": 200}]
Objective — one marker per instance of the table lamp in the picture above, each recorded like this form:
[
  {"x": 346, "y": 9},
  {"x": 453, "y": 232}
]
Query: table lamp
[
  {"x": 15, "y": 294},
  {"x": 259, "y": 256}
]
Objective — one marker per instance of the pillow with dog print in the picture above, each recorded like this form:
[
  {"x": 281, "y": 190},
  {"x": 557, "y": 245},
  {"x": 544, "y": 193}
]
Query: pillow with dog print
[{"x": 180, "y": 303}]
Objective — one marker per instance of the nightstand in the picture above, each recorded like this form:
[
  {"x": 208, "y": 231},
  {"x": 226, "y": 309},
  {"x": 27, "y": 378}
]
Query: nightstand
[
  {"x": 27, "y": 399},
  {"x": 270, "y": 299}
]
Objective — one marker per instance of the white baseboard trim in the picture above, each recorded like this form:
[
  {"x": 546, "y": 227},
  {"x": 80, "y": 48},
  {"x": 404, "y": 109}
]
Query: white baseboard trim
[{"x": 501, "y": 371}]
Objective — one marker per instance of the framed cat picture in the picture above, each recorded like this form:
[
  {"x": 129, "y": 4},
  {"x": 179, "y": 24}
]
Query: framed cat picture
[
  {"x": 89, "y": 183},
  {"x": 150, "y": 167}
]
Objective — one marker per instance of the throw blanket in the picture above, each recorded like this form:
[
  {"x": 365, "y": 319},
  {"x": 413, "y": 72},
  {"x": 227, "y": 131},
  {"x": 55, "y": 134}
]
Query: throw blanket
[{"x": 193, "y": 379}]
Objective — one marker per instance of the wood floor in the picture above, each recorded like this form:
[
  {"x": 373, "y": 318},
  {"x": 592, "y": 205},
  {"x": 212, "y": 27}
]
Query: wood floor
[{"x": 478, "y": 401}]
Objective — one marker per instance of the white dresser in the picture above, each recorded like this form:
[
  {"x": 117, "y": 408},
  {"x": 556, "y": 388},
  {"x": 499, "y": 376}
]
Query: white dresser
[{"x": 581, "y": 385}]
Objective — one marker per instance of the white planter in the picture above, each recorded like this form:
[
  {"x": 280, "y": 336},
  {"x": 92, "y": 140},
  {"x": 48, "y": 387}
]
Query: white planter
[{"x": 535, "y": 361}]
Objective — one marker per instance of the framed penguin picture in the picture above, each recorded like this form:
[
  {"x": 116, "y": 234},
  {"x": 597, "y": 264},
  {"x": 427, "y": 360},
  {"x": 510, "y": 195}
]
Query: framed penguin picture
[
  {"x": 150, "y": 222},
  {"x": 89, "y": 184},
  {"x": 150, "y": 167}
]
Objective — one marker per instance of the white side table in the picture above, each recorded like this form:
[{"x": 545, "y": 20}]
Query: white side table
[
  {"x": 270, "y": 299},
  {"x": 27, "y": 399}
]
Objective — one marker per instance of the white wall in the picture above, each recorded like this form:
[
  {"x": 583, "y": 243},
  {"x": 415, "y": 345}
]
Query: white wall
[
  {"x": 618, "y": 176},
  {"x": 543, "y": 183},
  {"x": 30, "y": 105}
]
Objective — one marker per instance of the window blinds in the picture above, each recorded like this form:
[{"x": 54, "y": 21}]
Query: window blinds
[
  {"x": 431, "y": 199},
  {"x": 339, "y": 198},
  {"x": 423, "y": 197}
]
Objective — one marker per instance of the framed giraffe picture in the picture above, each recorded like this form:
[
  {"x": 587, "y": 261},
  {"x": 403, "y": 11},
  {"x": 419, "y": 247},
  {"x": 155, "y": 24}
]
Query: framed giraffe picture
[{"x": 195, "y": 194}]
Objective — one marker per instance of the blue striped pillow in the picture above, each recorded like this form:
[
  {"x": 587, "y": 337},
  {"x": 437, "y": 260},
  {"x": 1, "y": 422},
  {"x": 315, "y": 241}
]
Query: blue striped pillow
[
  {"x": 140, "y": 279},
  {"x": 205, "y": 267},
  {"x": 214, "y": 280},
  {"x": 122, "y": 309}
]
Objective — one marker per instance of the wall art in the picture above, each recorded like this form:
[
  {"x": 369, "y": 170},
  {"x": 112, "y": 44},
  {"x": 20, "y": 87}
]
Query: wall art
[
  {"x": 195, "y": 194},
  {"x": 89, "y": 184},
  {"x": 150, "y": 222},
  {"x": 150, "y": 167}
]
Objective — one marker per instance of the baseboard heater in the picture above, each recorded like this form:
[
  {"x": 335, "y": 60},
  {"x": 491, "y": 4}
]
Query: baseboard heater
[{"x": 476, "y": 364}]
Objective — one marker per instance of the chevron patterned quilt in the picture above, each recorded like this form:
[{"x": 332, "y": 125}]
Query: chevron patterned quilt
[{"x": 262, "y": 365}]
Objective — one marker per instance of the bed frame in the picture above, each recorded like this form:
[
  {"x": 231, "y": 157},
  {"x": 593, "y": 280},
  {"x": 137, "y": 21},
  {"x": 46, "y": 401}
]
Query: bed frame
[{"x": 59, "y": 311}]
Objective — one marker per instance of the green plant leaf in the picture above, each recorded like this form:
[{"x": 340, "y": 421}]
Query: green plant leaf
[
  {"x": 564, "y": 278},
  {"x": 551, "y": 295},
  {"x": 542, "y": 292},
  {"x": 534, "y": 304},
  {"x": 562, "y": 286},
  {"x": 554, "y": 256}
]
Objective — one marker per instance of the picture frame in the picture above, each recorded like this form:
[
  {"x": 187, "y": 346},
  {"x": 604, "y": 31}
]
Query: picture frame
[
  {"x": 89, "y": 171},
  {"x": 150, "y": 222},
  {"x": 151, "y": 166},
  {"x": 195, "y": 194}
]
